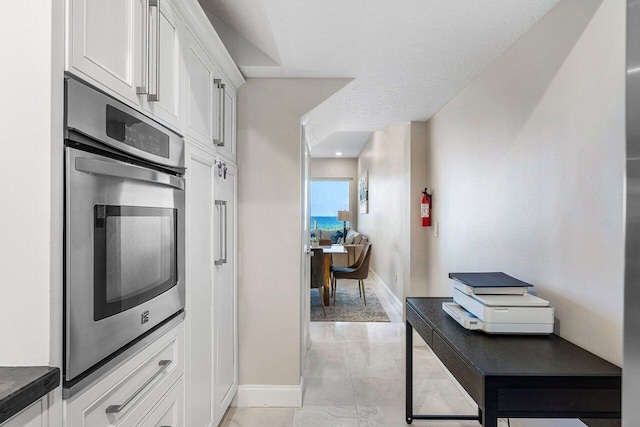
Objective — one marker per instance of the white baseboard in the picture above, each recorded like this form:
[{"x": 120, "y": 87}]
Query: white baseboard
[
  {"x": 278, "y": 396},
  {"x": 395, "y": 301}
]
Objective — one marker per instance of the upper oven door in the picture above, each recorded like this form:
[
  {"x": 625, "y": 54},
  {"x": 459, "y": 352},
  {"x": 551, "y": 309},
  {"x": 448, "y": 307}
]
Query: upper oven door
[{"x": 124, "y": 254}]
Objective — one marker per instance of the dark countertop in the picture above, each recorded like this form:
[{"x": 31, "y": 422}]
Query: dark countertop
[
  {"x": 22, "y": 386},
  {"x": 512, "y": 354}
]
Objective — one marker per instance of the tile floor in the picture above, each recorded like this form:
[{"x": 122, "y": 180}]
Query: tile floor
[{"x": 354, "y": 376}]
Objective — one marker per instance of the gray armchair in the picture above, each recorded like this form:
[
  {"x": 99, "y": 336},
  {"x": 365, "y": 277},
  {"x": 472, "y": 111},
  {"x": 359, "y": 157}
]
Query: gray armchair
[{"x": 358, "y": 271}]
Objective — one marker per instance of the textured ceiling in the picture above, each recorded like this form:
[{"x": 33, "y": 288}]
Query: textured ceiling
[
  {"x": 349, "y": 144},
  {"x": 407, "y": 58}
]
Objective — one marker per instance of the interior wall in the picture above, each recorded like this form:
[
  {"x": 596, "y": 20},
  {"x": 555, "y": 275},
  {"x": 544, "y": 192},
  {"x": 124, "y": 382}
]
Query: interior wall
[
  {"x": 31, "y": 195},
  {"x": 527, "y": 165},
  {"x": 269, "y": 221},
  {"x": 339, "y": 168},
  {"x": 418, "y": 235},
  {"x": 385, "y": 156}
]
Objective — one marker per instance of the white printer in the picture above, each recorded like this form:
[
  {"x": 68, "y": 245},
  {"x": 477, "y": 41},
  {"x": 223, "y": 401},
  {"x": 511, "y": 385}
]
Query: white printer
[{"x": 498, "y": 304}]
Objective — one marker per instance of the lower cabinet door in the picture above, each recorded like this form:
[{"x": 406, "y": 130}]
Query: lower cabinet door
[
  {"x": 199, "y": 373},
  {"x": 33, "y": 416},
  {"x": 170, "y": 411},
  {"x": 225, "y": 295}
]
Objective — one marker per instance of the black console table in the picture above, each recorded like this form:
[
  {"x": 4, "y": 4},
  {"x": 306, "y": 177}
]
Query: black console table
[{"x": 513, "y": 376}]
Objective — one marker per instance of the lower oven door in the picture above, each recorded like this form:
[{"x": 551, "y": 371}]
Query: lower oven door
[{"x": 124, "y": 255}]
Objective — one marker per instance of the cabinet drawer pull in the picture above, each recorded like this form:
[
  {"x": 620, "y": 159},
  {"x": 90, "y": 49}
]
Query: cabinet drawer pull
[{"x": 114, "y": 409}]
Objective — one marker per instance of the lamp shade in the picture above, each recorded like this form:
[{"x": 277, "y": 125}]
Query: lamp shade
[{"x": 344, "y": 215}]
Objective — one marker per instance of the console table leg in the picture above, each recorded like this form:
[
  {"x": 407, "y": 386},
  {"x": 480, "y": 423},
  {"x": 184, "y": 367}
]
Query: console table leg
[
  {"x": 409, "y": 372},
  {"x": 489, "y": 420}
]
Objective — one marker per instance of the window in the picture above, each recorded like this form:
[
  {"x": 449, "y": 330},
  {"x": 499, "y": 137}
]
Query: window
[{"x": 327, "y": 198}]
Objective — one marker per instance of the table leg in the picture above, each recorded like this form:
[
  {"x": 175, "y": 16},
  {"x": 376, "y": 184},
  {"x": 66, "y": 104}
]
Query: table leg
[
  {"x": 327, "y": 279},
  {"x": 490, "y": 410},
  {"x": 489, "y": 420},
  {"x": 410, "y": 416},
  {"x": 409, "y": 372}
]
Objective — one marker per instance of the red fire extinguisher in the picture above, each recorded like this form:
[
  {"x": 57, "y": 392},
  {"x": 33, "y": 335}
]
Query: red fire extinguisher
[{"x": 425, "y": 208}]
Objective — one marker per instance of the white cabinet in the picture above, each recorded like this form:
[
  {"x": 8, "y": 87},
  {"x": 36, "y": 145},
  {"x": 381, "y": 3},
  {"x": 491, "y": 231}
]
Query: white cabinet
[
  {"x": 131, "y": 50},
  {"x": 212, "y": 328},
  {"x": 33, "y": 416},
  {"x": 202, "y": 94},
  {"x": 132, "y": 391},
  {"x": 157, "y": 56},
  {"x": 164, "y": 59},
  {"x": 199, "y": 371},
  {"x": 225, "y": 292},
  {"x": 105, "y": 44},
  {"x": 165, "y": 67}
]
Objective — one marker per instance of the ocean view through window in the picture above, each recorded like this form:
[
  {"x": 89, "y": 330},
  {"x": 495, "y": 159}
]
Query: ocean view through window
[{"x": 327, "y": 198}]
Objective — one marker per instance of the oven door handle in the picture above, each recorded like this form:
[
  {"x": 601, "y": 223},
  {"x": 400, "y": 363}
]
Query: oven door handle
[{"x": 100, "y": 167}]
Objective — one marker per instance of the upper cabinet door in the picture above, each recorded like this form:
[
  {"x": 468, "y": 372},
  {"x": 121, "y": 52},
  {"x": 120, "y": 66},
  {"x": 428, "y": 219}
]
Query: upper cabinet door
[
  {"x": 227, "y": 144},
  {"x": 165, "y": 65},
  {"x": 105, "y": 44},
  {"x": 201, "y": 91}
]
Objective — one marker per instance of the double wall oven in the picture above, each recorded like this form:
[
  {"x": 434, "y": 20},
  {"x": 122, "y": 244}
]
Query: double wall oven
[{"x": 124, "y": 228}]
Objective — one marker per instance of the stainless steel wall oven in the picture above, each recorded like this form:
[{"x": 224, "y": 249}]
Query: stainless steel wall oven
[{"x": 124, "y": 227}]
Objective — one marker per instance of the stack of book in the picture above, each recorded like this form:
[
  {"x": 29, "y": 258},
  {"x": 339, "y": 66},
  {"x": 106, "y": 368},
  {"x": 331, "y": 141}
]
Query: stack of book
[{"x": 499, "y": 304}]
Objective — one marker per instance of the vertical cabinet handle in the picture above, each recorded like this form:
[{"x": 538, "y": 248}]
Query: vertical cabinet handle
[
  {"x": 222, "y": 244},
  {"x": 226, "y": 227},
  {"x": 219, "y": 141},
  {"x": 143, "y": 89},
  {"x": 223, "y": 113},
  {"x": 220, "y": 260},
  {"x": 155, "y": 96}
]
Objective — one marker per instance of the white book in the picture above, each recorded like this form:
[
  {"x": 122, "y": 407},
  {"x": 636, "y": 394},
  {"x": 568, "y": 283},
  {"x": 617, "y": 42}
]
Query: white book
[{"x": 524, "y": 300}]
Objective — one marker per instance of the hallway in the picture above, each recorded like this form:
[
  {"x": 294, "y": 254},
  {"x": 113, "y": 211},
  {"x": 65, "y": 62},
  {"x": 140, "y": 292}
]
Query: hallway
[{"x": 354, "y": 377}]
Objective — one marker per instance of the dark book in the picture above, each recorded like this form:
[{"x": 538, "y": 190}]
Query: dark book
[{"x": 489, "y": 283}]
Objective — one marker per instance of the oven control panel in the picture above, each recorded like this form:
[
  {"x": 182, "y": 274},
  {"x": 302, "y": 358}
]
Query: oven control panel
[{"x": 135, "y": 133}]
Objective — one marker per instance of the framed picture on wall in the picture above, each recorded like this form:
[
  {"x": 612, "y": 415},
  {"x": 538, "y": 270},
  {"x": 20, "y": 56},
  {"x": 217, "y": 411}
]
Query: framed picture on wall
[{"x": 363, "y": 192}]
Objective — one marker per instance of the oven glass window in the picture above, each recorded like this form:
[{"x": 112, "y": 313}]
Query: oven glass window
[{"x": 135, "y": 256}]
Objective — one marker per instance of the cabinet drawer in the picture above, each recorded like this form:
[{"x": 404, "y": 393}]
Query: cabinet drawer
[
  {"x": 128, "y": 393},
  {"x": 170, "y": 411},
  {"x": 420, "y": 326}
]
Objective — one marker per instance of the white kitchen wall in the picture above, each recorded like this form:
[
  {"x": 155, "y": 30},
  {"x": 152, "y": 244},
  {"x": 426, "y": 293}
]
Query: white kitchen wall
[
  {"x": 339, "y": 168},
  {"x": 385, "y": 156},
  {"x": 31, "y": 191},
  {"x": 418, "y": 235},
  {"x": 269, "y": 215},
  {"x": 527, "y": 165},
  {"x": 396, "y": 160}
]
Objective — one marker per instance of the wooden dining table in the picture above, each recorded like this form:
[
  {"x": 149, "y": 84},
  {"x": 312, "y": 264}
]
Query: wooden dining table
[{"x": 328, "y": 251}]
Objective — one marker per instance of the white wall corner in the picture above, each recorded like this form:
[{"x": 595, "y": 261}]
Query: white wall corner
[
  {"x": 393, "y": 299},
  {"x": 275, "y": 396}
]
